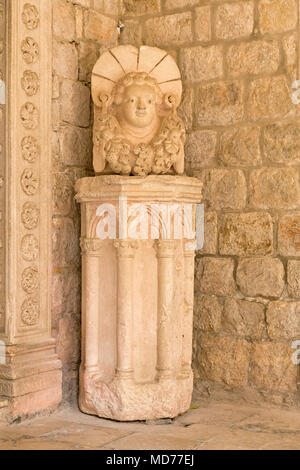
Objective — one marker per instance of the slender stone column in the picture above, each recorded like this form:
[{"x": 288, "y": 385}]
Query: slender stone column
[
  {"x": 125, "y": 253},
  {"x": 187, "y": 338},
  {"x": 165, "y": 306},
  {"x": 91, "y": 252}
]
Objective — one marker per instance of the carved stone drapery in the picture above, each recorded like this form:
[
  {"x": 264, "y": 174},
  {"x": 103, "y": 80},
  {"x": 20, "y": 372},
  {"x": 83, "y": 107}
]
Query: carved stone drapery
[
  {"x": 31, "y": 375},
  {"x": 137, "y": 297}
]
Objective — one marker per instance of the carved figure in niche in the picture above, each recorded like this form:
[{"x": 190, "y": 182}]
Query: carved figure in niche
[{"x": 136, "y": 93}]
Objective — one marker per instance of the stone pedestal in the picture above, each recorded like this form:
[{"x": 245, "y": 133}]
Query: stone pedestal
[{"x": 137, "y": 297}]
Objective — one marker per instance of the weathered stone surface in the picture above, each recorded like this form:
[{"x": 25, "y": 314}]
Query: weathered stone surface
[
  {"x": 87, "y": 56},
  {"x": 186, "y": 107},
  {"x": 169, "y": 30},
  {"x": 200, "y": 149},
  {"x": 253, "y": 57},
  {"x": 277, "y": 15},
  {"x": 293, "y": 278},
  {"x": 203, "y": 23},
  {"x": 172, "y": 4},
  {"x": 132, "y": 33},
  {"x": 215, "y": 276},
  {"x": 269, "y": 97},
  {"x": 276, "y": 188},
  {"x": 289, "y": 43},
  {"x": 66, "y": 296},
  {"x": 223, "y": 359},
  {"x": 201, "y": 63},
  {"x": 271, "y": 367},
  {"x": 246, "y": 234},
  {"x": 243, "y": 318},
  {"x": 75, "y": 103},
  {"x": 76, "y": 146},
  {"x": 224, "y": 189},
  {"x": 240, "y": 147},
  {"x": 110, "y": 8},
  {"x": 289, "y": 235},
  {"x": 100, "y": 28},
  {"x": 234, "y": 20},
  {"x": 65, "y": 60},
  {"x": 140, "y": 7},
  {"x": 210, "y": 233},
  {"x": 219, "y": 103},
  {"x": 283, "y": 320},
  {"x": 260, "y": 277},
  {"x": 282, "y": 143},
  {"x": 68, "y": 340},
  {"x": 207, "y": 313},
  {"x": 63, "y": 20},
  {"x": 65, "y": 238}
]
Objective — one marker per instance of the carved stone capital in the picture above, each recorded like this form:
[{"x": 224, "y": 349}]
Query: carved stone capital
[
  {"x": 126, "y": 248},
  {"x": 91, "y": 246},
  {"x": 165, "y": 248}
]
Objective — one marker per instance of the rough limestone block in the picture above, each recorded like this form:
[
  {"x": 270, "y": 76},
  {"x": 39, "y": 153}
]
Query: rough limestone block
[
  {"x": 219, "y": 103},
  {"x": 283, "y": 320},
  {"x": 269, "y": 97},
  {"x": 207, "y": 313},
  {"x": 224, "y": 360},
  {"x": 246, "y": 234},
  {"x": 255, "y": 57},
  {"x": 289, "y": 235},
  {"x": 260, "y": 277},
  {"x": 293, "y": 278},
  {"x": 276, "y": 16},
  {"x": 201, "y": 63},
  {"x": 282, "y": 143},
  {"x": 271, "y": 367},
  {"x": 215, "y": 276},
  {"x": 224, "y": 189},
  {"x": 275, "y": 188},
  {"x": 234, "y": 20},
  {"x": 240, "y": 147},
  {"x": 169, "y": 30},
  {"x": 200, "y": 149},
  {"x": 243, "y": 318}
]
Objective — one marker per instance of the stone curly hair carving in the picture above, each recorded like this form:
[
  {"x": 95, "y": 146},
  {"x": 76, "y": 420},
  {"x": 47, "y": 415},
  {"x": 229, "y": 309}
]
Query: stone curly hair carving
[{"x": 136, "y": 78}]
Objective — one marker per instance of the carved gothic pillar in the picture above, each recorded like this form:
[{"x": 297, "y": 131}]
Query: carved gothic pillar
[
  {"x": 30, "y": 377},
  {"x": 125, "y": 254},
  {"x": 187, "y": 338},
  {"x": 137, "y": 297},
  {"x": 165, "y": 306}
]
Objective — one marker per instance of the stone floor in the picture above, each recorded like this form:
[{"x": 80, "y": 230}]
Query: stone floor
[{"x": 208, "y": 425}]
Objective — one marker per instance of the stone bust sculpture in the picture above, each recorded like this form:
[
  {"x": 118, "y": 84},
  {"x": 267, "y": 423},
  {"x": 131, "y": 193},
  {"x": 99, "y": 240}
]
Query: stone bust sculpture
[{"x": 136, "y": 93}]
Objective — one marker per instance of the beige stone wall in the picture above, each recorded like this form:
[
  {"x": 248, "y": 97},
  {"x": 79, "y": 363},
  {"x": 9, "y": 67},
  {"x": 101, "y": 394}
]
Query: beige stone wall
[
  {"x": 238, "y": 60},
  {"x": 81, "y": 29}
]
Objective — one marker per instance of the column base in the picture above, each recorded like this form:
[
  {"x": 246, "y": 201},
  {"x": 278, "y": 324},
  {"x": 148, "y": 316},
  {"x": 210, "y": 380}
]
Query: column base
[{"x": 129, "y": 401}]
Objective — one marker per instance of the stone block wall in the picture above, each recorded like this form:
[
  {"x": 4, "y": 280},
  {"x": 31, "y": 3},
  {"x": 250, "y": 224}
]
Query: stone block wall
[
  {"x": 81, "y": 30},
  {"x": 238, "y": 61}
]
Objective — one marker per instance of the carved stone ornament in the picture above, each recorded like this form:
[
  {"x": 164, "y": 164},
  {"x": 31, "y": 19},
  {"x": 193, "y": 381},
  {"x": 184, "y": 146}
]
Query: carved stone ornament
[
  {"x": 30, "y": 215},
  {"x": 30, "y": 280},
  {"x": 30, "y": 248},
  {"x": 30, "y": 82},
  {"x": 30, "y": 50},
  {"x": 30, "y": 16},
  {"x": 30, "y": 149},
  {"x": 29, "y": 116},
  {"x": 29, "y": 182},
  {"x": 30, "y": 312},
  {"x": 136, "y": 93}
]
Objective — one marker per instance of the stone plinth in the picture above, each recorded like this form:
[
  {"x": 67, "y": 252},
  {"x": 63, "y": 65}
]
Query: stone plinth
[{"x": 137, "y": 307}]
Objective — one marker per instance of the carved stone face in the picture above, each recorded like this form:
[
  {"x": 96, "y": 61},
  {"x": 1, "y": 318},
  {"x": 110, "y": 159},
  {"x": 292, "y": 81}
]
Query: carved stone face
[{"x": 138, "y": 108}]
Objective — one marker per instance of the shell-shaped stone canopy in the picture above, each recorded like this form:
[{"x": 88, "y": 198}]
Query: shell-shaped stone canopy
[{"x": 121, "y": 60}]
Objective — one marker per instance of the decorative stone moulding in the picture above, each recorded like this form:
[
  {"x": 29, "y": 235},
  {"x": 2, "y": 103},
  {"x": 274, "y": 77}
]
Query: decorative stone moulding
[
  {"x": 136, "y": 93},
  {"x": 30, "y": 372},
  {"x": 137, "y": 307},
  {"x": 137, "y": 259}
]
